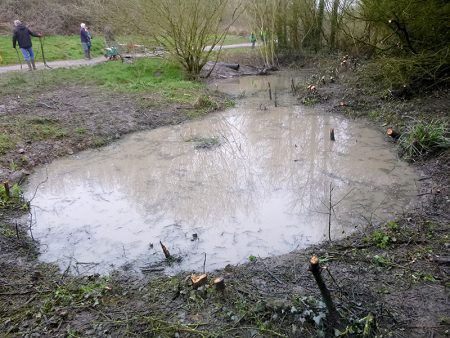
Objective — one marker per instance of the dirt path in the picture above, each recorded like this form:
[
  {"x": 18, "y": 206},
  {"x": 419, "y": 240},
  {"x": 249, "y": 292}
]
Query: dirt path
[{"x": 54, "y": 64}]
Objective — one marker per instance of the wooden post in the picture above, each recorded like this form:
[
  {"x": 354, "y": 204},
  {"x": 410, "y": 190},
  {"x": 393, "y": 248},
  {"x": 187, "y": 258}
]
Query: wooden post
[
  {"x": 7, "y": 191},
  {"x": 293, "y": 86},
  {"x": 275, "y": 101},
  {"x": 332, "y": 134},
  {"x": 314, "y": 267},
  {"x": 330, "y": 209},
  {"x": 270, "y": 92}
]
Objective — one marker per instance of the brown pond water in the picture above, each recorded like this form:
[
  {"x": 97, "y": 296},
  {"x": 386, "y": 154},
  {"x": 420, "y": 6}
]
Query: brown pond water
[{"x": 251, "y": 181}]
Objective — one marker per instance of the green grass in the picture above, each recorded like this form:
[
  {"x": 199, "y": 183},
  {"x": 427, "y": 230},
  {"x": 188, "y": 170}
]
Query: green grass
[
  {"x": 424, "y": 138},
  {"x": 235, "y": 39},
  {"x": 14, "y": 131},
  {"x": 55, "y": 48},
  {"x": 155, "y": 75},
  {"x": 69, "y": 47}
]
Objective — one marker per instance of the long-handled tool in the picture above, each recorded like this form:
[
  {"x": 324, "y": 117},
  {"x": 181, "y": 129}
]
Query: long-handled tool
[
  {"x": 18, "y": 58},
  {"x": 43, "y": 55}
]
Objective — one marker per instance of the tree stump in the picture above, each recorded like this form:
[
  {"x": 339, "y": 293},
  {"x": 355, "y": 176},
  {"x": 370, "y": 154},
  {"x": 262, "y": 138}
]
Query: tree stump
[
  {"x": 333, "y": 315},
  {"x": 392, "y": 133},
  {"x": 219, "y": 283}
]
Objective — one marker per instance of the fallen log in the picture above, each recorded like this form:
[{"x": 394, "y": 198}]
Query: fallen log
[{"x": 234, "y": 66}]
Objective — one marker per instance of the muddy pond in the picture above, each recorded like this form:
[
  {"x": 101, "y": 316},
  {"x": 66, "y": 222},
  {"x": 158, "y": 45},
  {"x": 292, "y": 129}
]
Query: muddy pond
[{"x": 252, "y": 181}]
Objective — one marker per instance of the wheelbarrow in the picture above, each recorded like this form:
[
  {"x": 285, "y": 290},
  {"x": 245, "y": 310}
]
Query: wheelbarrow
[{"x": 112, "y": 53}]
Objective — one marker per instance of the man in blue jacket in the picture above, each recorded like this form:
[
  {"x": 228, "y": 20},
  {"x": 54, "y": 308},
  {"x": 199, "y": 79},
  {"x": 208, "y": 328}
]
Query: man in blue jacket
[{"x": 22, "y": 35}]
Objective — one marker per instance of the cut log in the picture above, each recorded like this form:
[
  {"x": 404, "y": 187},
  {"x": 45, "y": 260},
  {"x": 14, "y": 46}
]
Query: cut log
[
  {"x": 199, "y": 280},
  {"x": 234, "y": 66},
  {"x": 166, "y": 252},
  {"x": 219, "y": 283},
  {"x": 332, "y": 134},
  {"x": 392, "y": 133}
]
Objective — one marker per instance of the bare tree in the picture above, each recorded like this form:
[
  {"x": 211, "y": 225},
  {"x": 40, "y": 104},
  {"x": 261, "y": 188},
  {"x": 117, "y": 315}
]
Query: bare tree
[
  {"x": 263, "y": 15},
  {"x": 189, "y": 30}
]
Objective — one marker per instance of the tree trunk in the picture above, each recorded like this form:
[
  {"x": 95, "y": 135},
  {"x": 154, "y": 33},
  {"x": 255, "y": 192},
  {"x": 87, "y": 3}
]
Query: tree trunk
[
  {"x": 319, "y": 24},
  {"x": 334, "y": 24}
]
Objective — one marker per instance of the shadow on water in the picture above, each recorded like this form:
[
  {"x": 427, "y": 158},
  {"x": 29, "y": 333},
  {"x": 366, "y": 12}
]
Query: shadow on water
[{"x": 254, "y": 180}]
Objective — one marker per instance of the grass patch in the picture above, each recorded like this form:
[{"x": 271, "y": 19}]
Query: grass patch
[
  {"x": 68, "y": 47},
  {"x": 14, "y": 131},
  {"x": 56, "y": 47},
  {"x": 204, "y": 142},
  {"x": 6, "y": 143},
  {"x": 10, "y": 196},
  {"x": 423, "y": 139},
  {"x": 156, "y": 75}
]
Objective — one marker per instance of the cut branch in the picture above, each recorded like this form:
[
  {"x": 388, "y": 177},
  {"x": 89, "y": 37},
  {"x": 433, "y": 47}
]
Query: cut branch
[
  {"x": 333, "y": 315},
  {"x": 166, "y": 252}
]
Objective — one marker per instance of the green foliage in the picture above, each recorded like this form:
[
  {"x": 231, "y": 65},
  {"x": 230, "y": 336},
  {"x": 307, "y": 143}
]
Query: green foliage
[
  {"x": 363, "y": 327},
  {"x": 12, "y": 198},
  {"x": 381, "y": 260},
  {"x": 411, "y": 25},
  {"x": 80, "y": 130},
  {"x": 89, "y": 294},
  {"x": 252, "y": 258},
  {"x": 384, "y": 238},
  {"x": 424, "y": 138},
  {"x": 423, "y": 277},
  {"x": 392, "y": 226},
  {"x": 6, "y": 143},
  {"x": 417, "y": 71},
  {"x": 310, "y": 100},
  {"x": 7, "y": 231},
  {"x": 204, "y": 101},
  {"x": 380, "y": 239}
]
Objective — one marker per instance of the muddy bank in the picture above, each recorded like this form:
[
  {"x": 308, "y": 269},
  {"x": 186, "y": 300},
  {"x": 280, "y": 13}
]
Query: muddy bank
[{"x": 397, "y": 274}]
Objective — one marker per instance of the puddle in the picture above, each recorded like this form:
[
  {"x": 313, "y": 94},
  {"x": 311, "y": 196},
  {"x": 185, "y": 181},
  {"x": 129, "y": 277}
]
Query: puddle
[{"x": 252, "y": 181}]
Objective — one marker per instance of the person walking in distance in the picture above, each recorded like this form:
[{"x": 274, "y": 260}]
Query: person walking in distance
[
  {"x": 22, "y": 36},
  {"x": 85, "y": 41}
]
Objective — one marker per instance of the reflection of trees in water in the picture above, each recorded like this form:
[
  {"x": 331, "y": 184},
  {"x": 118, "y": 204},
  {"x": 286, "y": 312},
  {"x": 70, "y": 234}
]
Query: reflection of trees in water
[{"x": 260, "y": 153}]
